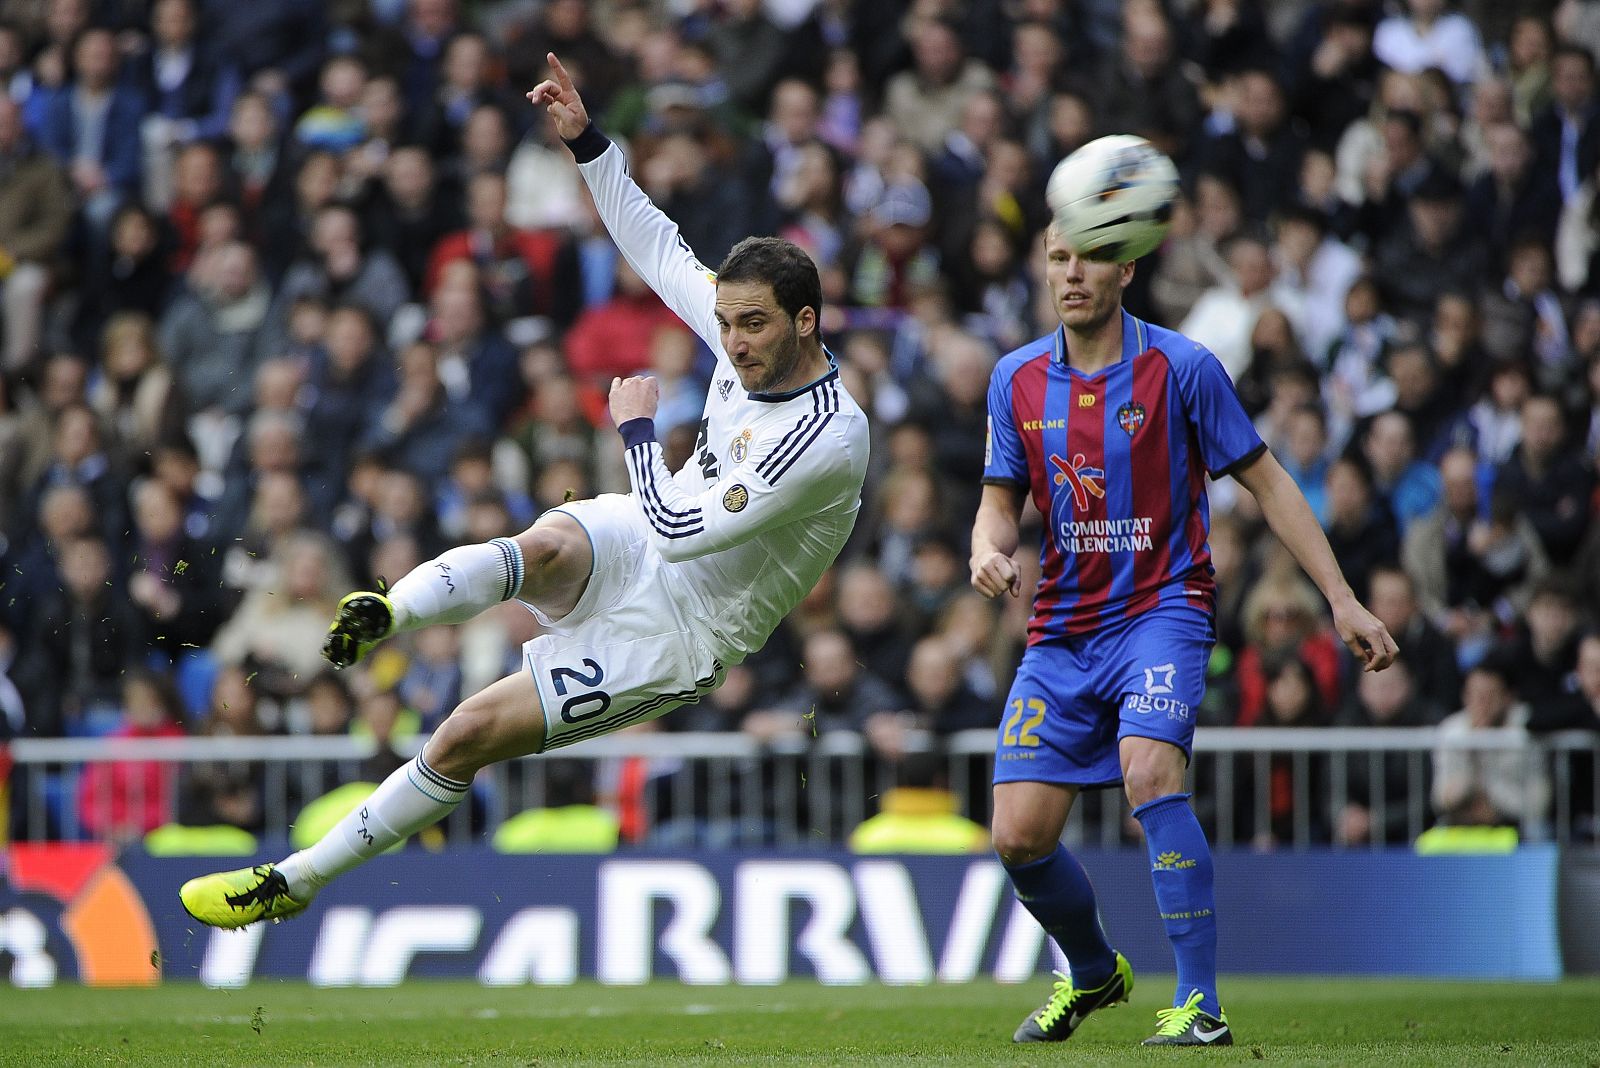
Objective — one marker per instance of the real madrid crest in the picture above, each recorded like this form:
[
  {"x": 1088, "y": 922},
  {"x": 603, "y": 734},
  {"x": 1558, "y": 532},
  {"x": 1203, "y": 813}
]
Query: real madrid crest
[
  {"x": 740, "y": 448},
  {"x": 735, "y": 498},
  {"x": 1130, "y": 417}
]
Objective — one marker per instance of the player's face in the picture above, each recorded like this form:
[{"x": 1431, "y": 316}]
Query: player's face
[
  {"x": 1087, "y": 293},
  {"x": 762, "y": 341}
]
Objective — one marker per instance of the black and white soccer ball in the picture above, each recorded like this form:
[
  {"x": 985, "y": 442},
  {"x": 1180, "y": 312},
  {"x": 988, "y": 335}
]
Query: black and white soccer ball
[{"x": 1112, "y": 198}]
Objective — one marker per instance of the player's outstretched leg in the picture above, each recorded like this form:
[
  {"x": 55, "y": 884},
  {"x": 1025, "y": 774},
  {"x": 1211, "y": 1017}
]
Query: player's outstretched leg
[
  {"x": 1051, "y": 884},
  {"x": 451, "y": 588},
  {"x": 548, "y": 565},
  {"x": 502, "y": 721}
]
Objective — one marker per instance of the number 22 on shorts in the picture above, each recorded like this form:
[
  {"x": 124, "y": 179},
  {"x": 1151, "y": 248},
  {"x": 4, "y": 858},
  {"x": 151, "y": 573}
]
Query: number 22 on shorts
[{"x": 1034, "y": 708}]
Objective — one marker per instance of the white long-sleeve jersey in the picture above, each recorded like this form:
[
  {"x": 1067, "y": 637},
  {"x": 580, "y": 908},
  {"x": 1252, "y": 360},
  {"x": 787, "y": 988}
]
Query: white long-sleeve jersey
[{"x": 763, "y": 508}]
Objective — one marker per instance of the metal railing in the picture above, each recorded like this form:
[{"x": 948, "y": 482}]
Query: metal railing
[{"x": 1282, "y": 787}]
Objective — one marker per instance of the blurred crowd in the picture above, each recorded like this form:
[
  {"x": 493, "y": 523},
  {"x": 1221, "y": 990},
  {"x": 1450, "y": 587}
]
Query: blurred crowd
[{"x": 296, "y": 294}]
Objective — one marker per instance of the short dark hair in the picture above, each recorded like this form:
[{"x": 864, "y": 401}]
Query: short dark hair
[{"x": 781, "y": 264}]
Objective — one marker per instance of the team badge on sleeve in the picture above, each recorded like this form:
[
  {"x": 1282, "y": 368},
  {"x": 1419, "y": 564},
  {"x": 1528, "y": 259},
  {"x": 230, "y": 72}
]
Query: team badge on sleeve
[
  {"x": 1130, "y": 417},
  {"x": 735, "y": 498}
]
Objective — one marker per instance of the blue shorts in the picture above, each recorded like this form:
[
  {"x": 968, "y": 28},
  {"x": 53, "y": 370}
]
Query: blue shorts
[{"x": 1073, "y": 700}]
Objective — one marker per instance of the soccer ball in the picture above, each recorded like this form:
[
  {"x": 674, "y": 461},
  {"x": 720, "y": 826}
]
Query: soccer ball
[{"x": 1112, "y": 198}]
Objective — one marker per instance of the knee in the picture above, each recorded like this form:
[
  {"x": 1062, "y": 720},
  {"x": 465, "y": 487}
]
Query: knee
[
  {"x": 1020, "y": 840},
  {"x": 551, "y": 543},
  {"x": 461, "y": 744},
  {"x": 1150, "y": 775}
]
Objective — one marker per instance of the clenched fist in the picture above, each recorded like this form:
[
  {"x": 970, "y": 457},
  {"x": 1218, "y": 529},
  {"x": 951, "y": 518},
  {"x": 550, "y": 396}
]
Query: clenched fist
[
  {"x": 634, "y": 398},
  {"x": 995, "y": 573}
]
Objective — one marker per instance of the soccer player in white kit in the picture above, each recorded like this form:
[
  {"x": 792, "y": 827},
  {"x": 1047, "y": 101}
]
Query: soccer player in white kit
[{"x": 647, "y": 597}]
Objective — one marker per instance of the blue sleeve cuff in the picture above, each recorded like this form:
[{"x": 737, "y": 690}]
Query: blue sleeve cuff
[
  {"x": 589, "y": 145},
  {"x": 637, "y": 431}
]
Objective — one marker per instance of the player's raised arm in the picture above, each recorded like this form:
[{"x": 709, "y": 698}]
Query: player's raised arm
[
  {"x": 648, "y": 239},
  {"x": 790, "y": 474}
]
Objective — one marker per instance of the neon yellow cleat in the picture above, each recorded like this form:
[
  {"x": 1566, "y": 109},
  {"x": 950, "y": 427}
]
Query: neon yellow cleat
[
  {"x": 363, "y": 619},
  {"x": 1189, "y": 1025},
  {"x": 234, "y": 899},
  {"x": 1068, "y": 1007}
]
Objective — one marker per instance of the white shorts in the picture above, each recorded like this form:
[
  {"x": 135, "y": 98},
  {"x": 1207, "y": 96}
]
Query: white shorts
[{"x": 628, "y": 651}]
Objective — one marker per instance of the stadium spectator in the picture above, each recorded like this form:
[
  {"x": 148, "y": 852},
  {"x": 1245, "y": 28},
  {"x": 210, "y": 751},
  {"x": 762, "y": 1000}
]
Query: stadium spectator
[
  {"x": 85, "y": 638},
  {"x": 920, "y": 815},
  {"x": 337, "y": 266},
  {"x": 1291, "y": 699},
  {"x": 188, "y": 89},
  {"x": 174, "y": 584},
  {"x": 834, "y": 694},
  {"x": 1360, "y": 525},
  {"x": 1283, "y": 620},
  {"x": 1315, "y": 273},
  {"x": 1140, "y": 89},
  {"x": 272, "y": 628},
  {"x": 135, "y": 396},
  {"x": 1431, "y": 674},
  {"x": 1193, "y": 260},
  {"x": 1261, "y": 154},
  {"x": 1545, "y": 651},
  {"x": 1377, "y": 809},
  {"x": 1430, "y": 252},
  {"x": 613, "y": 339},
  {"x": 1225, "y": 315},
  {"x": 1428, "y": 35},
  {"x": 1580, "y": 712},
  {"x": 477, "y": 365},
  {"x": 35, "y": 212},
  {"x": 227, "y": 791},
  {"x": 751, "y": 52},
  {"x": 522, "y": 273},
  {"x": 119, "y": 801},
  {"x": 1545, "y": 481},
  {"x": 212, "y": 337},
  {"x": 925, "y": 102},
  {"x": 1408, "y": 486},
  {"x": 1566, "y": 135},
  {"x": 1487, "y": 787},
  {"x": 869, "y": 616},
  {"x": 1511, "y": 198},
  {"x": 1524, "y": 315},
  {"x": 92, "y": 129}
]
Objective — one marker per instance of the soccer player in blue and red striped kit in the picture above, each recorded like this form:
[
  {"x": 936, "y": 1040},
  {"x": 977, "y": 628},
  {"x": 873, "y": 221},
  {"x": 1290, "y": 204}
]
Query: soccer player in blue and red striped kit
[{"x": 1112, "y": 424}]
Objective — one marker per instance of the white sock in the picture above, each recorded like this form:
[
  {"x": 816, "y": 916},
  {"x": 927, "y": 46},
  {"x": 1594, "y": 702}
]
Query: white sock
[
  {"x": 412, "y": 798},
  {"x": 458, "y": 584}
]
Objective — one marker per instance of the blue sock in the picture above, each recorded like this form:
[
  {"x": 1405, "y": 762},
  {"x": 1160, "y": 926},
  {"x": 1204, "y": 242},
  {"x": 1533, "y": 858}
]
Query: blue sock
[
  {"x": 1056, "y": 890},
  {"x": 1180, "y": 868}
]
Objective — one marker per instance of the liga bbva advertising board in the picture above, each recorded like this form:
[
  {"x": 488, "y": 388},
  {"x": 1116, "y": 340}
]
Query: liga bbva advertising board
[{"x": 79, "y": 913}]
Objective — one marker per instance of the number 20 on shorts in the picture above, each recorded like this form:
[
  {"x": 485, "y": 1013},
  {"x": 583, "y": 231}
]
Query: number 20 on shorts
[{"x": 1019, "y": 731}]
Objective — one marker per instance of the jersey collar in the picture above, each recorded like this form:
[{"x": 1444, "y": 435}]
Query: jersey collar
[
  {"x": 1135, "y": 339},
  {"x": 829, "y": 375}
]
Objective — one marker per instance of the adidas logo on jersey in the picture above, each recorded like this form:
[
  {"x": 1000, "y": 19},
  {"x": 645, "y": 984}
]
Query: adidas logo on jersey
[{"x": 725, "y": 387}]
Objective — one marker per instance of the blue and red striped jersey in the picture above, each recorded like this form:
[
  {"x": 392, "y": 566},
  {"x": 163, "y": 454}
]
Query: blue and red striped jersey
[{"x": 1116, "y": 462}]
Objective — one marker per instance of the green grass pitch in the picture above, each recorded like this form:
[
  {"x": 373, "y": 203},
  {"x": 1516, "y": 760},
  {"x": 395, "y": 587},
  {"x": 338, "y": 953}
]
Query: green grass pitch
[{"x": 1278, "y": 1021}]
